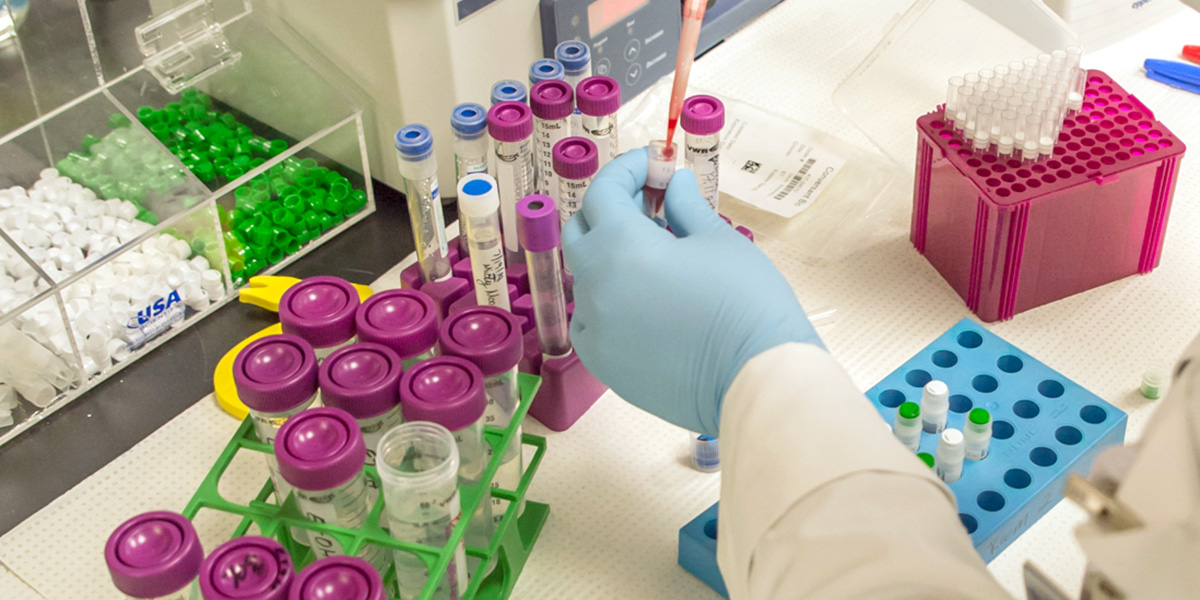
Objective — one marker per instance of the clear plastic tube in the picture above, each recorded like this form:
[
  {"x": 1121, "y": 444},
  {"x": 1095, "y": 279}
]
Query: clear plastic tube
[
  {"x": 960, "y": 115},
  {"x": 983, "y": 128},
  {"x": 658, "y": 175},
  {"x": 474, "y": 455},
  {"x": 515, "y": 178},
  {"x": 907, "y": 425},
  {"x": 603, "y": 132},
  {"x": 418, "y": 166},
  {"x": 977, "y": 434},
  {"x": 504, "y": 395},
  {"x": 547, "y": 133},
  {"x": 1008, "y": 131},
  {"x": 346, "y": 505},
  {"x": 1049, "y": 133},
  {"x": 418, "y": 470},
  {"x": 702, "y": 155},
  {"x": 570, "y": 196},
  {"x": 973, "y": 104},
  {"x": 949, "y": 456},
  {"x": 549, "y": 302},
  {"x": 1033, "y": 129},
  {"x": 470, "y": 154},
  {"x": 1023, "y": 114},
  {"x": 952, "y": 96},
  {"x": 479, "y": 208},
  {"x": 1078, "y": 89},
  {"x": 266, "y": 427}
]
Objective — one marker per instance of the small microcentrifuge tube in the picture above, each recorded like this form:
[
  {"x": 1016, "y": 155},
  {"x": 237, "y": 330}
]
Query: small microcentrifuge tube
[
  {"x": 661, "y": 168},
  {"x": 983, "y": 128},
  {"x": 705, "y": 455},
  {"x": 1033, "y": 129},
  {"x": 1008, "y": 130},
  {"x": 952, "y": 97},
  {"x": 907, "y": 426},
  {"x": 1078, "y": 88},
  {"x": 1154, "y": 381},
  {"x": 977, "y": 434},
  {"x": 973, "y": 104},
  {"x": 960, "y": 115},
  {"x": 949, "y": 456},
  {"x": 935, "y": 403},
  {"x": 927, "y": 458}
]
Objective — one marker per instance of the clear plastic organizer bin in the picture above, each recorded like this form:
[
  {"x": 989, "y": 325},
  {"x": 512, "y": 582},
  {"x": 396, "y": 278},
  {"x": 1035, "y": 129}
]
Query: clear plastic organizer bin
[{"x": 138, "y": 207}]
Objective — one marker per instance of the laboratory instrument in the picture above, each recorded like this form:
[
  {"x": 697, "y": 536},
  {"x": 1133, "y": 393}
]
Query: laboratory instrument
[
  {"x": 418, "y": 165},
  {"x": 449, "y": 391},
  {"x": 479, "y": 208},
  {"x": 702, "y": 120},
  {"x": 492, "y": 340},
  {"x": 338, "y": 578},
  {"x": 247, "y": 568},
  {"x": 660, "y": 170},
  {"x": 935, "y": 402},
  {"x": 598, "y": 99},
  {"x": 907, "y": 426},
  {"x": 539, "y": 230},
  {"x": 576, "y": 161},
  {"x": 511, "y": 126},
  {"x": 977, "y": 434},
  {"x": 155, "y": 555},
  {"x": 320, "y": 310},
  {"x": 418, "y": 471},
  {"x": 545, "y": 69},
  {"x": 1154, "y": 381},
  {"x": 404, "y": 320},
  {"x": 949, "y": 455},
  {"x": 276, "y": 377},
  {"x": 321, "y": 455},
  {"x": 363, "y": 379},
  {"x": 508, "y": 90},
  {"x": 1100, "y": 23},
  {"x": 693, "y": 16},
  {"x": 552, "y": 103},
  {"x": 706, "y": 456}
]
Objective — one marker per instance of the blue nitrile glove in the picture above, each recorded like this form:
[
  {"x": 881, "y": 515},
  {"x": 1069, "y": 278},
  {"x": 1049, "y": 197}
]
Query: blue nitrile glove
[{"x": 667, "y": 321}]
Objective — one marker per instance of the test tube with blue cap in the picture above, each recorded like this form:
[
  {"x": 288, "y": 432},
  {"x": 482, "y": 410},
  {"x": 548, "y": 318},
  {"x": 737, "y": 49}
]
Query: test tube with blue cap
[
  {"x": 508, "y": 90},
  {"x": 552, "y": 102},
  {"x": 418, "y": 166},
  {"x": 576, "y": 59},
  {"x": 545, "y": 69},
  {"x": 540, "y": 235},
  {"x": 511, "y": 126},
  {"x": 469, "y": 122}
]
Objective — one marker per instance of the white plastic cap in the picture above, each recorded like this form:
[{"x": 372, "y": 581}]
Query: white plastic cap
[
  {"x": 478, "y": 195},
  {"x": 936, "y": 394}
]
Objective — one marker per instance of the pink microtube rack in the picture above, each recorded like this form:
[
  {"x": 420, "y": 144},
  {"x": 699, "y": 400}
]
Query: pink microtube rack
[{"x": 1010, "y": 235}]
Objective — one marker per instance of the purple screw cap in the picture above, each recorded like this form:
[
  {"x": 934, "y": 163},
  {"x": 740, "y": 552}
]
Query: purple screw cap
[
  {"x": 446, "y": 390},
  {"x": 320, "y": 449},
  {"x": 598, "y": 96},
  {"x": 403, "y": 320},
  {"x": 510, "y": 121},
  {"x": 153, "y": 554},
  {"x": 702, "y": 115},
  {"x": 576, "y": 158},
  {"x": 552, "y": 99},
  {"x": 247, "y": 568},
  {"x": 320, "y": 310},
  {"x": 275, "y": 373},
  {"x": 362, "y": 379},
  {"x": 489, "y": 337},
  {"x": 537, "y": 222},
  {"x": 338, "y": 578}
]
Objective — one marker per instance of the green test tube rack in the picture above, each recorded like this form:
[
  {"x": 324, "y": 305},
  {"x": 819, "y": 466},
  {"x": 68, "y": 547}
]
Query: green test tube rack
[{"x": 500, "y": 564}]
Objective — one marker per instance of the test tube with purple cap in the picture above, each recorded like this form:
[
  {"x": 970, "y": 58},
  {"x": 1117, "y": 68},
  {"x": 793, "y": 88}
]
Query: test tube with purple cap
[{"x": 540, "y": 233}]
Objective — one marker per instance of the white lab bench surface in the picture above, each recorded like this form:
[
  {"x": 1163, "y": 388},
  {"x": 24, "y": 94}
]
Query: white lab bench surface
[{"x": 618, "y": 482}]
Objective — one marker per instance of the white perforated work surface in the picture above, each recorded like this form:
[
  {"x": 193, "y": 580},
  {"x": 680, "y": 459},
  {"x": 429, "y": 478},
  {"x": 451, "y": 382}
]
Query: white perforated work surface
[{"x": 617, "y": 482}]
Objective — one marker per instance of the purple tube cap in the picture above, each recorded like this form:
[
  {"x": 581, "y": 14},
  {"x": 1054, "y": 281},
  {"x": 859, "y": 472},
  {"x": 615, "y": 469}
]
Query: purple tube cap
[
  {"x": 576, "y": 158},
  {"x": 247, "y": 568},
  {"x": 446, "y": 390},
  {"x": 510, "y": 121},
  {"x": 489, "y": 337},
  {"x": 702, "y": 115},
  {"x": 338, "y": 578},
  {"x": 362, "y": 379},
  {"x": 537, "y": 222},
  {"x": 403, "y": 320},
  {"x": 320, "y": 310},
  {"x": 153, "y": 554},
  {"x": 552, "y": 99},
  {"x": 275, "y": 373},
  {"x": 598, "y": 96},
  {"x": 320, "y": 449}
]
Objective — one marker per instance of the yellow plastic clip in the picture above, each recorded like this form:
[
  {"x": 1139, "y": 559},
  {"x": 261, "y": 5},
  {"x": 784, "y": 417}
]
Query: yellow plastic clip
[{"x": 264, "y": 291}]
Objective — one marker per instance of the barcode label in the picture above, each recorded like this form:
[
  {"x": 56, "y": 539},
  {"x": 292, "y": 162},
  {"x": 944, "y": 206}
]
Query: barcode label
[{"x": 797, "y": 179}]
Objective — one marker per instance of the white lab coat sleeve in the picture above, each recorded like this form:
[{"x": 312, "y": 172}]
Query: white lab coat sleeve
[{"x": 819, "y": 500}]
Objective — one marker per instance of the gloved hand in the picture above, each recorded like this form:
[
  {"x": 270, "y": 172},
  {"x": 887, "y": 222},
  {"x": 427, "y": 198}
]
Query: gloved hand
[{"x": 667, "y": 321}]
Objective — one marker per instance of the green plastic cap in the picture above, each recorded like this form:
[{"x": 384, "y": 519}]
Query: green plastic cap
[
  {"x": 979, "y": 416},
  {"x": 927, "y": 457},
  {"x": 910, "y": 410}
]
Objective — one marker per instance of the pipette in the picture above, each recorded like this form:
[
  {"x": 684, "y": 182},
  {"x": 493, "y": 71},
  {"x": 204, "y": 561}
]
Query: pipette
[{"x": 693, "y": 16}]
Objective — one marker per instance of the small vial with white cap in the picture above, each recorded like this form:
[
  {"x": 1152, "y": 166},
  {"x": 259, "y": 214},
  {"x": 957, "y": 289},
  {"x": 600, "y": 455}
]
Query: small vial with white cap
[
  {"x": 247, "y": 568},
  {"x": 320, "y": 310},
  {"x": 949, "y": 456},
  {"x": 340, "y": 578},
  {"x": 977, "y": 434},
  {"x": 907, "y": 426},
  {"x": 156, "y": 555},
  {"x": 935, "y": 403}
]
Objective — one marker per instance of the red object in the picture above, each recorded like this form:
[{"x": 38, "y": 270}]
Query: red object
[
  {"x": 1010, "y": 236},
  {"x": 1192, "y": 53}
]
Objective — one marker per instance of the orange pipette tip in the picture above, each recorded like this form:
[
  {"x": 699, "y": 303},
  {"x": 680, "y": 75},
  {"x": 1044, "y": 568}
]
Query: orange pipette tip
[
  {"x": 693, "y": 17},
  {"x": 1192, "y": 53}
]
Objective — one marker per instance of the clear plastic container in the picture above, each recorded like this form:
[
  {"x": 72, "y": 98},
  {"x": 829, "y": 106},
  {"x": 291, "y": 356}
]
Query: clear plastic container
[
  {"x": 479, "y": 208},
  {"x": 599, "y": 99},
  {"x": 540, "y": 237},
  {"x": 511, "y": 126},
  {"x": 418, "y": 165},
  {"x": 552, "y": 103}
]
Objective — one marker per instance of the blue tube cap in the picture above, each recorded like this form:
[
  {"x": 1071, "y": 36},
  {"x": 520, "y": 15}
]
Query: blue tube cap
[
  {"x": 414, "y": 140},
  {"x": 545, "y": 69},
  {"x": 469, "y": 119},
  {"x": 508, "y": 90},
  {"x": 574, "y": 55}
]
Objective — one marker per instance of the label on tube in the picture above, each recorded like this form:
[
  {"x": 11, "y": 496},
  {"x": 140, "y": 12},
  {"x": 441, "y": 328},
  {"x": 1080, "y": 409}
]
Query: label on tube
[{"x": 705, "y": 163}]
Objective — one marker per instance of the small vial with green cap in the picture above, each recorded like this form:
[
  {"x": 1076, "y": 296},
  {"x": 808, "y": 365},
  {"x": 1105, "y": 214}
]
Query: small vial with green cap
[
  {"x": 907, "y": 426},
  {"x": 927, "y": 458},
  {"x": 949, "y": 456},
  {"x": 977, "y": 434},
  {"x": 1154, "y": 381}
]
